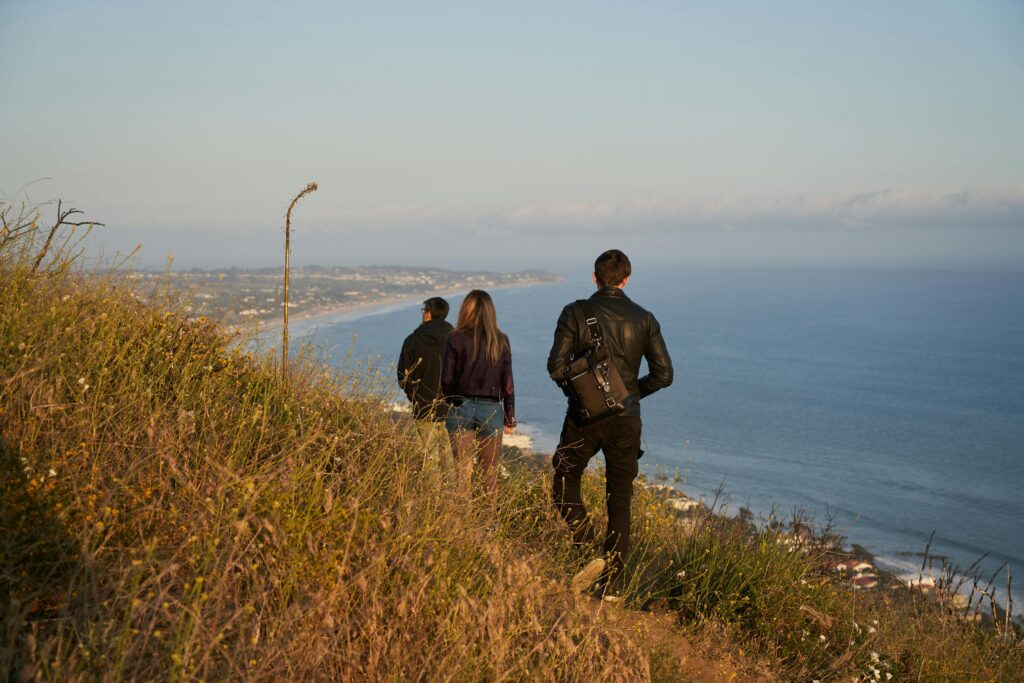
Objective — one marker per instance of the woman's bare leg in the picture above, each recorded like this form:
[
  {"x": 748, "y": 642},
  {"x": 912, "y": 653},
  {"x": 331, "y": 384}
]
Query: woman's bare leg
[
  {"x": 463, "y": 452},
  {"x": 488, "y": 460}
]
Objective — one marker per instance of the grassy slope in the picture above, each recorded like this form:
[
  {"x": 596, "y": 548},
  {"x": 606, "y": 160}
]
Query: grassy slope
[{"x": 170, "y": 509}]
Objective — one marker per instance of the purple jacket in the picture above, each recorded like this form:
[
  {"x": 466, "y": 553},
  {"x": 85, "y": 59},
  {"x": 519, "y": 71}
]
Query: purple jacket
[{"x": 463, "y": 376}]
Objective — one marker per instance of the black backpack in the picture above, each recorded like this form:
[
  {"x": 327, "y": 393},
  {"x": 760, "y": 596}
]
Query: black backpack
[{"x": 590, "y": 380}]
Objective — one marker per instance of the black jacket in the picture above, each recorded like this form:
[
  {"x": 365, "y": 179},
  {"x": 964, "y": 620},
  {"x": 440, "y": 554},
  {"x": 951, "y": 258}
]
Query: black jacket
[
  {"x": 631, "y": 334},
  {"x": 419, "y": 367},
  {"x": 466, "y": 374}
]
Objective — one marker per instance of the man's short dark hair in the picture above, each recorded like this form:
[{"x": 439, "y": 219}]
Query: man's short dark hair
[
  {"x": 436, "y": 307},
  {"x": 611, "y": 268}
]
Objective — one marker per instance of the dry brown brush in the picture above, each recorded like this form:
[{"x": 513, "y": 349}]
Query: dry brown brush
[{"x": 171, "y": 510}]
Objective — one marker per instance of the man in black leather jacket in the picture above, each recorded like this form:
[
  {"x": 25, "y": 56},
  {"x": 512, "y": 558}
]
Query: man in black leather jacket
[{"x": 631, "y": 334}]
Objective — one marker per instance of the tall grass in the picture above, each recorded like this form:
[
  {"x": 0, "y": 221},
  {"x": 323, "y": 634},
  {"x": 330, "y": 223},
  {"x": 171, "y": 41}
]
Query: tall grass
[{"x": 172, "y": 509}]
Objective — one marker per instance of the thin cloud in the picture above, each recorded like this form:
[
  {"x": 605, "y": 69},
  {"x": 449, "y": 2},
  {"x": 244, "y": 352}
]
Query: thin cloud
[{"x": 961, "y": 208}]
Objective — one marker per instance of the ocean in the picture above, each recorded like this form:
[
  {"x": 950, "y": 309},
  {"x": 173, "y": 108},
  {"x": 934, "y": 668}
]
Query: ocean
[{"x": 891, "y": 403}]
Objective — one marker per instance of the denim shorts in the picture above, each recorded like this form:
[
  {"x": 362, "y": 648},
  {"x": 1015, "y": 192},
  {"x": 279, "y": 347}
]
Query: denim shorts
[{"x": 484, "y": 416}]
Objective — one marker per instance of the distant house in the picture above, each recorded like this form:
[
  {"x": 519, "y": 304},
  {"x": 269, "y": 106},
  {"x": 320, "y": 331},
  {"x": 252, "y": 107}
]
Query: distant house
[{"x": 864, "y": 581}]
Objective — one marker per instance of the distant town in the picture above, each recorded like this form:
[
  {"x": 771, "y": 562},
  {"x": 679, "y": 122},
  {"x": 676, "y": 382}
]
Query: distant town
[{"x": 237, "y": 295}]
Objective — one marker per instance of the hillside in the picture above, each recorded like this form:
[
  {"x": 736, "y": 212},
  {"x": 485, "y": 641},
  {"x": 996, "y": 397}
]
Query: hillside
[{"x": 171, "y": 509}]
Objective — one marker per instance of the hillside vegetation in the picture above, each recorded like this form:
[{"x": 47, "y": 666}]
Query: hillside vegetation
[{"x": 171, "y": 509}]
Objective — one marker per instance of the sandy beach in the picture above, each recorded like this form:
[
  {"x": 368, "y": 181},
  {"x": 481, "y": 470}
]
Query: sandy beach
[
  {"x": 302, "y": 322},
  {"x": 306, "y": 320}
]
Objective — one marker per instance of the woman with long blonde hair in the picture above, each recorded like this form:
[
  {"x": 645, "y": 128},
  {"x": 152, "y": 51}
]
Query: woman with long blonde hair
[{"x": 476, "y": 379}]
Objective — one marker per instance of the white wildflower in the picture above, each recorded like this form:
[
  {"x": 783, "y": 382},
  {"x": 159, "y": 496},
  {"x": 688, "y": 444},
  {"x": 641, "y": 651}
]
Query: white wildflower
[
  {"x": 822, "y": 638},
  {"x": 52, "y": 472},
  {"x": 871, "y": 629},
  {"x": 81, "y": 380}
]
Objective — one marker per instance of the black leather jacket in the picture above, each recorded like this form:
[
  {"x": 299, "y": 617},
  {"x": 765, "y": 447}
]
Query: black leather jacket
[{"x": 631, "y": 333}]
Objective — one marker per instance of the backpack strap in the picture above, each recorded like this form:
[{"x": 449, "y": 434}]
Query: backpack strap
[
  {"x": 596, "y": 336},
  {"x": 600, "y": 358}
]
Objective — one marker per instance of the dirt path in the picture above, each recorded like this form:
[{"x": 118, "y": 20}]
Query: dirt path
[{"x": 676, "y": 657}]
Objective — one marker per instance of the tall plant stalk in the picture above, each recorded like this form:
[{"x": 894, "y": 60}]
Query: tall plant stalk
[{"x": 311, "y": 187}]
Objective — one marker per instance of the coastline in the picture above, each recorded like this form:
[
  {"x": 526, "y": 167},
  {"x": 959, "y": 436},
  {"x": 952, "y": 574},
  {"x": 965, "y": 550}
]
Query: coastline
[
  {"x": 851, "y": 564},
  {"x": 368, "y": 307},
  {"x": 884, "y": 559},
  {"x": 308, "y": 320}
]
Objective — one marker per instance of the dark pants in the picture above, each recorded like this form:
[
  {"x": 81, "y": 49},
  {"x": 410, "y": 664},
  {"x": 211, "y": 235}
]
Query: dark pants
[{"x": 619, "y": 439}]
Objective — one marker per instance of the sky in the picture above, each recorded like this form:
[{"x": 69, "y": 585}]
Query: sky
[{"x": 526, "y": 134}]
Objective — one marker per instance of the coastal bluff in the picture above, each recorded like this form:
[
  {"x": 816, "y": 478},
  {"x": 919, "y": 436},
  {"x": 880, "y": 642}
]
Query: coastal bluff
[{"x": 172, "y": 508}]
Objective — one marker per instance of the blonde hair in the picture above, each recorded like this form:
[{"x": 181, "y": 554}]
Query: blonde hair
[{"x": 478, "y": 320}]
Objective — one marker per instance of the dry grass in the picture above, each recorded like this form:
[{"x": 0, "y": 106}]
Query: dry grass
[
  {"x": 171, "y": 510},
  {"x": 771, "y": 589}
]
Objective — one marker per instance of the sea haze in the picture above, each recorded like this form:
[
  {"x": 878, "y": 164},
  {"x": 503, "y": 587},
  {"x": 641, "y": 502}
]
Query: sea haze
[{"x": 890, "y": 401}]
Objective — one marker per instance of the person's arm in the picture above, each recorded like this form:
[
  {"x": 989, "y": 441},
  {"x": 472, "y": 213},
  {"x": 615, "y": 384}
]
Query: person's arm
[
  {"x": 508, "y": 392},
  {"x": 449, "y": 367},
  {"x": 659, "y": 364},
  {"x": 406, "y": 364},
  {"x": 566, "y": 331}
]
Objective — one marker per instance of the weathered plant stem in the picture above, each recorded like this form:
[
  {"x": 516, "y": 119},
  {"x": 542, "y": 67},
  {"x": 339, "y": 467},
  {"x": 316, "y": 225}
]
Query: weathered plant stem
[
  {"x": 1009, "y": 603},
  {"x": 62, "y": 219},
  {"x": 311, "y": 187}
]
